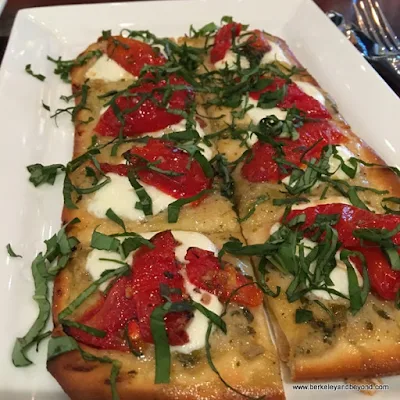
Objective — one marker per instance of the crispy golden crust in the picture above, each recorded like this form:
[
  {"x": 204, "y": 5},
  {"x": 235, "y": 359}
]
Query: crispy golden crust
[{"x": 246, "y": 347}]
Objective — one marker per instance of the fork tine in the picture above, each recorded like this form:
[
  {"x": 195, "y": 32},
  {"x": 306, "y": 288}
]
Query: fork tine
[
  {"x": 388, "y": 31},
  {"x": 365, "y": 23}
]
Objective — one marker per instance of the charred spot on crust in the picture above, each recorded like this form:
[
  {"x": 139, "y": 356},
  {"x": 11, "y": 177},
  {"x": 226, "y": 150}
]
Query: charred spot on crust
[
  {"x": 132, "y": 373},
  {"x": 80, "y": 368}
]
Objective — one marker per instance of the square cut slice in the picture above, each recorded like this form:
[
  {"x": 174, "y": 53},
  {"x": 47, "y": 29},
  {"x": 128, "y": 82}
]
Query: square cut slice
[{"x": 245, "y": 357}]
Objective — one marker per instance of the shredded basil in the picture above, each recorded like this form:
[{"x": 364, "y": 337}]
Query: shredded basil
[
  {"x": 100, "y": 241},
  {"x": 44, "y": 268},
  {"x": 115, "y": 218},
  {"x": 40, "y": 174},
  {"x": 159, "y": 333},
  {"x": 259, "y": 200},
  {"x": 64, "y": 67},
  {"x": 11, "y": 252},
  {"x": 302, "y": 316},
  {"x": 45, "y": 106},
  {"x": 64, "y": 344},
  {"x": 28, "y": 69},
  {"x": 145, "y": 203},
  {"x": 174, "y": 208}
]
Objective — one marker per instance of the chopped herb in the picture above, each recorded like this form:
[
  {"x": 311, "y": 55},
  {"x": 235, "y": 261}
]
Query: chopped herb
[
  {"x": 85, "y": 328},
  {"x": 100, "y": 241},
  {"x": 45, "y": 106},
  {"x": 145, "y": 202},
  {"x": 260, "y": 199},
  {"x": 302, "y": 316},
  {"x": 358, "y": 296},
  {"x": 174, "y": 208},
  {"x": 28, "y": 69},
  {"x": 64, "y": 67},
  {"x": 159, "y": 333},
  {"x": 40, "y": 174},
  {"x": 115, "y": 218},
  {"x": 270, "y": 99},
  {"x": 44, "y": 268},
  {"x": 11, "y": 252}
]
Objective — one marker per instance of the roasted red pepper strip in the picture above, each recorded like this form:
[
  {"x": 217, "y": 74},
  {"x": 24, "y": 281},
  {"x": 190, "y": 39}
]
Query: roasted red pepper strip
[
  {"x": 258, "y": 41},
  {"x": 295, "y": 97},
  {"x": 384, "y": 281},
  {"x": 110, "y": 314},
  {"x": 135, "y": 297},
  {"x": 188, "y": 183},
  {"x": 260, "y": 165},
  {"x": 204, "y": 271},
  {"x": 146, "y": 114},
  {"x": 132, "y": 54},
  {"x": 223, "y": 40}
]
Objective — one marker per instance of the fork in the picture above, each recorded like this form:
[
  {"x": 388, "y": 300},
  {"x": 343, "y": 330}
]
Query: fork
[{"x": 373, "y": 23}]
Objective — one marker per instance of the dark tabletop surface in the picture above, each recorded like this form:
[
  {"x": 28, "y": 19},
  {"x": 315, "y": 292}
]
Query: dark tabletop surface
[{"x": 391, "y": 9}]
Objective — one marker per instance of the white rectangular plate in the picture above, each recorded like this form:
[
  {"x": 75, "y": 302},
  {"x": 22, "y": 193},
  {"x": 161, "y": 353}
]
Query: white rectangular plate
[
  {"x": 2, "y": 4},
  {"x": 31, "y": 215}
]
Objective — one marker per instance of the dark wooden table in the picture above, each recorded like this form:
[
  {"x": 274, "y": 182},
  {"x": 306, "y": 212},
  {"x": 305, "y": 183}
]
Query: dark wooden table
[{"x": 391, "y": 9}]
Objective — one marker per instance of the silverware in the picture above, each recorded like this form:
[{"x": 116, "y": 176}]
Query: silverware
[
  {"x": 373, "y": 23},
  {"x": 386, "y": 63}
]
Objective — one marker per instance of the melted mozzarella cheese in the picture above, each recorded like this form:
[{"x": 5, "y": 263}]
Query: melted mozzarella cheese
[
  {"x": 107, "y": 70},
  {"x": 192, "y": 239},
  {"x": 95, "y": 264},
  {"x": 275, "y": 54},
  {"x": 230, "y": 61},
  {"x": 197, "y": 327},
  {"x": 311, "y": 90},
  {"x": 121, "y": 197}
]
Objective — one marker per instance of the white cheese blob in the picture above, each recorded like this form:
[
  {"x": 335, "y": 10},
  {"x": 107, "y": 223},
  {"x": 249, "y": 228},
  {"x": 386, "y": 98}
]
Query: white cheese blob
[
  {"x": 96, "y": 265},
  {"x": 311, "y": 90},
  {"x": 198, "y": 325},
  {"x": 339, "y": 279},
  {"x": 107, "y": 70},
  {"x": 230, "y": 61},
  {"x": 192, "y": 239},
  {"x": 275, "y": 54},
  {"x": 121, "y": 197}
]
